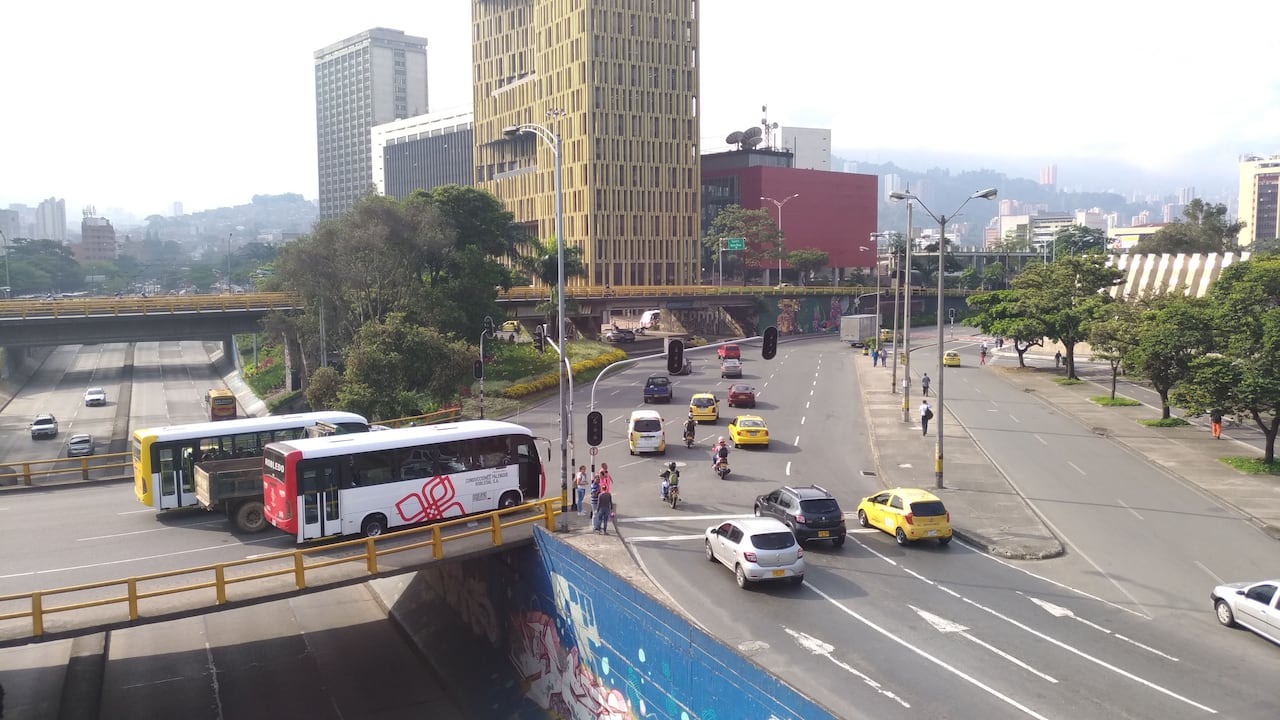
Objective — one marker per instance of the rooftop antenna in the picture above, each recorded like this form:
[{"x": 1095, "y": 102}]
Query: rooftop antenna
[{"x": 767, "y": 126}]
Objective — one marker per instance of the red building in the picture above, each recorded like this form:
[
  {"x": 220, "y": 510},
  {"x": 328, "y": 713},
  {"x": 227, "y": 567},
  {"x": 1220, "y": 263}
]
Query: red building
[{"x": 832, "y": 211}]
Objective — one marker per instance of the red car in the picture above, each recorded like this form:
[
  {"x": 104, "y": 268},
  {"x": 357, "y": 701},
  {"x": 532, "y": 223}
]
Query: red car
[
  {"x": 729, "y": 351},
  {"x": 742, "y": 396}
]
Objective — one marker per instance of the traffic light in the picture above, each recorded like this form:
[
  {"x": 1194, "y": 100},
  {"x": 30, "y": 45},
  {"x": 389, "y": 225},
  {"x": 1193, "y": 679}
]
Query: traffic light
[
  {"x": 595, "y": 428},
  {"x": 488, "y": 326},
  {"x": 540, "y": 338},
  {"x": 770, "y": 347},
  {"x": 478, "y": 369},
  {"x": 675, "y": 356}
]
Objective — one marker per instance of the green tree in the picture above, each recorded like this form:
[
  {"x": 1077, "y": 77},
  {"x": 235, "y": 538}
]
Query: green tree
[
  {"x": 1205, "y": 230},
  {"x": 970, "y": 279},
  {"x": 323, "y": 388},
  {"x": 43, "y": 266},
  {"x": 1067, "y": 296},
  {"x": 1113, "y": 336},
  {"x": 1242, "y": 376},
  {"x": 806, "y": 261},
  {"x": 1007, "y": 313},
  {"x": 1173, "y": 329},
  {"x": 757, "y": 227},
  {"x": 1077, "y": 240},
  {"x": 993, "y": 276},
  {"x": 395, "y": 368}
]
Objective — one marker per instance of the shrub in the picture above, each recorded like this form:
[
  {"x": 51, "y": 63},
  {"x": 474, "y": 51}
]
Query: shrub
[
  {"x": 1068, "y": 381},
  {"x": 1253, "y": 466},
  {"x": 1165, "y": 422},
  {"x": 581, "y": 369},
  {"x": 1108, "y": 401}
]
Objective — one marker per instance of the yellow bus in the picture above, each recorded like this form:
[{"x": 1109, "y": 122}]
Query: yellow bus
[
  {"x": 221, "y": 403},
  {"x": 164, "y": 458}
]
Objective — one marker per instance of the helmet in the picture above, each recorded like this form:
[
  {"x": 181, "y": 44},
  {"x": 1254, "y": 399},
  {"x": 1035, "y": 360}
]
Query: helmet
[
  {"x": 721, "y": 439},
  {"x": 672, "y": 466},
  {"x": 690, "y": 416}
]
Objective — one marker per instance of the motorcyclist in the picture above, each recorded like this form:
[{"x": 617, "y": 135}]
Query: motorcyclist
[
  {"x": 690, "y": 427},
  {"x": 670, "y": 479},
  {"x": 719, "y": 452}
]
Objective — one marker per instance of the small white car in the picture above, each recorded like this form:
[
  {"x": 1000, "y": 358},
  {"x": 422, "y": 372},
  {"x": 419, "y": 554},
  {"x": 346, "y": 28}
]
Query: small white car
[
  {"x": 1254, "y": 605},
  {"x": 756, "y": 549},
  {"x": 80, "y": 445},
  {"x": 95, "y": 396},
  {"x": 44, "y": 426}
]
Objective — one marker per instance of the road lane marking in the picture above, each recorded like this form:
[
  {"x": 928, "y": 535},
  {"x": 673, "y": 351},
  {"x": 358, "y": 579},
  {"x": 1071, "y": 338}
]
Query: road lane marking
[
  {"x": 1209, "y": 572},
  {"x": 1055, "y": 641},
  {"x": 818, "y": 647},
  {"x": 663, "y": 538},
  {"x": 1042, "y": 442},
  {"x": 806, "y": 404},
  {"x": 668, "y": 518},
  {"x": 1076, "y": 468},
  {"x": 50, "y": 571},
  {"x": 802, "y": 419},
  {"x": 946, "y": 626},
  {"x": 797, "y": 442},
  {"x": 1014, "y": 418},
  {"x": 788, "y": 468},
  {"x": 1059, "y": 611},
  {"x": 1126, "y": 507},
  {"x": 926, "y": 656}
]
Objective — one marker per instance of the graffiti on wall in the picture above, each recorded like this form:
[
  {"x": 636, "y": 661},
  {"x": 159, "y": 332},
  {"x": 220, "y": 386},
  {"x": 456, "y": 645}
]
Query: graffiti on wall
[{"x": 805, "y": 315}]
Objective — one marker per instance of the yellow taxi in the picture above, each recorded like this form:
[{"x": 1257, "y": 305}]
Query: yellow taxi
[
  {"x": 704, "y": 407},
  {"x": 951, "y": 358},
  {"x": 907, "y": 514},
  {"x": 748, "y": 430}
]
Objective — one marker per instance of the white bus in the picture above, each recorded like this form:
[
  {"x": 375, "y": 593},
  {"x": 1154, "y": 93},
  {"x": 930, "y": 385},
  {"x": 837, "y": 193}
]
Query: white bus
[
  {"x": 164, "y": 458},
  {"x": 372, "y": 482}
]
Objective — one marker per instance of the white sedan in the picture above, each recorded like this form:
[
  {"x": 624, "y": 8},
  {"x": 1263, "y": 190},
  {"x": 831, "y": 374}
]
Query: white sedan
[
  {"x": 95, "y": 396},
  {"x": 756, "y": 549},
  {"x": 1255, "y": 606}
]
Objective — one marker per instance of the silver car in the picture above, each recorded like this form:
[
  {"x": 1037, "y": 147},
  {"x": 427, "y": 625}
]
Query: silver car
[
  {"x": 1255, "y": 606},
  {"x": 80, "y": 445},
  {"x": 756, "y": 549},
  {"x": 730, "y": 368},
  {"x": 95, "y": 396}
]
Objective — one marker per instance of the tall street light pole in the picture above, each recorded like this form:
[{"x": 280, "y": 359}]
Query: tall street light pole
[
  {"x": 906, "y": 329},
  {"x": 893, "y": 377},
  {"x": 8, "y": 286},
  {"x": 566, "y": 420},
  {"x": 942, "y": 247},
  {"x": 229, "y": 235},
  {"x": 779, "y": 204}
]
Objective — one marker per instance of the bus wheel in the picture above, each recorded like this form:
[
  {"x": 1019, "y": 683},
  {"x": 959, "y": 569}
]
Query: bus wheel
[
  {"x": 509, "y": 500},
  {"x": 373, "y": 526},
  {"x": 248, "y": 517}
]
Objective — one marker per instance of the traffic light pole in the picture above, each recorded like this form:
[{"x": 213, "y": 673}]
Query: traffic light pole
[{"x": 487, "y": 331}]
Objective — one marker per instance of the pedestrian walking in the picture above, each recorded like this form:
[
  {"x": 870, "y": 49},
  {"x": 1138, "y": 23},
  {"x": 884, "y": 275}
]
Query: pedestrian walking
[
  {"x": 581, "y": 485},
  {"x": 606, "y": 480},
  {"x": 982, "y": 355},
  {"x": 1215, "y": 418},
  {"x": 1057, "y": 359},
  {"x": 924, "y": 383},
  {"x": 926, "y": 414},
  {"x": 595, "y": 496},
  {"x": 600, "y": 523},
  {"x": 875, "y": 357}
]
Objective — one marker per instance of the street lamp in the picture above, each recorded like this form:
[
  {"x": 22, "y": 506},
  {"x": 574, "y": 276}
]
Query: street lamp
[
  {"x": 553, "y": 140},
  {"x": 942, "y": 247},
  {"x": 906, "y": 329},
  {"x": 779, "y": 204},
  {"x": 229, "y": 235}
]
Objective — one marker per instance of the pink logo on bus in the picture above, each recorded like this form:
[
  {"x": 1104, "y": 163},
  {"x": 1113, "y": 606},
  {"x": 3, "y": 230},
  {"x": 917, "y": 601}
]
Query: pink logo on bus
[{"x": 437, "y": 500}]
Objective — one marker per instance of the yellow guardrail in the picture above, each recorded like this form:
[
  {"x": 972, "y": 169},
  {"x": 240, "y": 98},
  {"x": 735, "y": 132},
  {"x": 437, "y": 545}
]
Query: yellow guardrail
[
  {"x": 63, "y": 468},
  {"x": 159, "y": 305},
  {"x": 432, "y": 418},
  {"x": 217, "y": 577}
]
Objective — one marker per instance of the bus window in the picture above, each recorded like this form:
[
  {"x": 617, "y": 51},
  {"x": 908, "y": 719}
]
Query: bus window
[{"x": 373, "y": 468}]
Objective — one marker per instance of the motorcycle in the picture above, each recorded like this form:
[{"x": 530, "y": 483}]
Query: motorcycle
[
  {"x": 640, "y": 330},
  {"x": 688, "y": 439},
  {"x": 671, "y": 493},
  {"x": 721, "y": 467}
]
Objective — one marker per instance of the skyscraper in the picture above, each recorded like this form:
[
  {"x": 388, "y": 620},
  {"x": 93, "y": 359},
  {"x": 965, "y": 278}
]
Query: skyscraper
[
  {"x": 51, "y": 220},
  {"x": 617, "y": 81},
  {"x": 1259, "y": 200},
  {"x": 375, "y": 77}
]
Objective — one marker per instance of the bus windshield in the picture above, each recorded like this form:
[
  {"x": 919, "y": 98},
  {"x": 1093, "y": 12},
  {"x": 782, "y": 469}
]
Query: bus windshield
[{"x": 221, "y": 403}]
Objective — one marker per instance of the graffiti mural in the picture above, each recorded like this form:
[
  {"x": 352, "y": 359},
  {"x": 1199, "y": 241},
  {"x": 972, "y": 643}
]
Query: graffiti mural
[{"x": 805, "y": 315}]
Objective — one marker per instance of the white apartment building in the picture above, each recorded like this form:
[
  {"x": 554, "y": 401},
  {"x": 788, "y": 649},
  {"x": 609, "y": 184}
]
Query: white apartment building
[
  {"x": 1259, "y": 182},
  {"x": 423, "y": 152}
]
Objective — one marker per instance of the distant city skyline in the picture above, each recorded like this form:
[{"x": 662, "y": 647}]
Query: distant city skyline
[{"x": 210, "y": 118}]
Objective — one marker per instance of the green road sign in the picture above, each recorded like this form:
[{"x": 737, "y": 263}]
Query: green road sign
[{"x": 735, "y": 243}]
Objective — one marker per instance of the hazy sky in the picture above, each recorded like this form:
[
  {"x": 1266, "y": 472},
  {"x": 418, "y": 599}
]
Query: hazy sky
[{"x": 138, "y": 103}]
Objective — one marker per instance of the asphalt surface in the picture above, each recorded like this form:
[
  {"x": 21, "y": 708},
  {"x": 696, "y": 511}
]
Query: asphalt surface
[{"x": 989, "y": 511}]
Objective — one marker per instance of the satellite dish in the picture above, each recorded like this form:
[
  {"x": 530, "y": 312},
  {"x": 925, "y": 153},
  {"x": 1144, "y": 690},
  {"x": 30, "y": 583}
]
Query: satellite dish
[
  {"x": 751, "y": 133},
  {"x": 751, "y": 142},
  {"x": 734, "y": 138}
]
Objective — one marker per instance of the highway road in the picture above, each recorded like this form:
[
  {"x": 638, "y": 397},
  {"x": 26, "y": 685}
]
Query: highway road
[{"x": 1120, "y": 627}]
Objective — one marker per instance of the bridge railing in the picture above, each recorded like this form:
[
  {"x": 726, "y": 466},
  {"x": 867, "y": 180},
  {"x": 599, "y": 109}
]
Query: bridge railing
[
  {"x": 86, "y": 468},
  {"x": 159, "y": 305},
  {"x": 301, "y": 567},
  {"x": 669, "y": 291}
]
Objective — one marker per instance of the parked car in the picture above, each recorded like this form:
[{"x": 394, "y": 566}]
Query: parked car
[
  {"x": 619, "y": 335},
  {"x": 1254, "y": 605},
  {"x": 741, "y": 395},
  {"x": 80, "y": 445},
  {"x": 748, "y": 430},
  {"x": 95, "y": 396},
  {"x": 756, "y": 549},
  {"x": 657, "y": 389},
  {"x": 810, "y": 512},
  {"x": 44, "y": 426},
  {"x": 729, "y": 351},
  {"x": 907, "y": 514},
  {"x": 730, "y": 368},
  {"x": 704, "y": 407}
]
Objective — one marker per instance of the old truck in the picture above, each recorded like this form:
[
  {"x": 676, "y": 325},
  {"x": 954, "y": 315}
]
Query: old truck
[
  {"x": 234, "y": 486},
  {"x": 857, "y": 329}
]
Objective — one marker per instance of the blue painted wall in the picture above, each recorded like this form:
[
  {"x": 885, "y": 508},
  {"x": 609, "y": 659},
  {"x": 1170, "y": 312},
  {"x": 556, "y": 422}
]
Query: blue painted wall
[{"x": 549, "y": 633}]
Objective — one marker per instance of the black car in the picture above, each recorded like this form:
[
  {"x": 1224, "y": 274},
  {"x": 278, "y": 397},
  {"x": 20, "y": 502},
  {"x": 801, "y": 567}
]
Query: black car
[
  {"x": 810, "y": 511},
  {"x": 619, "y": 335}
]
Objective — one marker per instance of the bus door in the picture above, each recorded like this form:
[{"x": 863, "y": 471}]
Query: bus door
[
  {"x": 175, "y": 465},
  {"x": 318, "y": 512}
]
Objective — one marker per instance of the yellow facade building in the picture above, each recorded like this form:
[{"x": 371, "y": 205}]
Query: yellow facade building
[{"x": 617, "y": 80}]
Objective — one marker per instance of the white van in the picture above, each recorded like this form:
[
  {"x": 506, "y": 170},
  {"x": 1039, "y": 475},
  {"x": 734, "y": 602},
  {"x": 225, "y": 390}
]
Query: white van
[
  {"x": 645, "y": 433},
  {"x": 650, "y": 319}
]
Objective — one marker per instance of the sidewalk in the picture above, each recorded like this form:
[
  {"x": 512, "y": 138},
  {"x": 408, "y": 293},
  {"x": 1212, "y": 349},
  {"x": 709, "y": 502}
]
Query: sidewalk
[{"x": 985, "y": 509}]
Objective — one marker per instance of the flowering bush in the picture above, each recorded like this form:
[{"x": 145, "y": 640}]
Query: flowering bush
[{"x": 550, "y": 380}]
